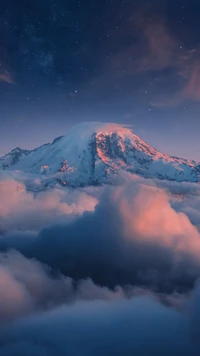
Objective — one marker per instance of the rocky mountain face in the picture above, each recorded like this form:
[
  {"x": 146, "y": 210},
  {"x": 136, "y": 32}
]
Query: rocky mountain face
[{"x": 12, "y": 158}]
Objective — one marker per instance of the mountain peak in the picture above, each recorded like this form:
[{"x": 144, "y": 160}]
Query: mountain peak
[{"x": 87, "y": 129}]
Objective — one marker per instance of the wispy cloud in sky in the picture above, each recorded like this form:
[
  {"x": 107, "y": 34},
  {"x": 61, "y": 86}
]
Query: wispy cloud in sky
[
  {"x": 153, "y": 49},
  {"x": 6, "y": 77}
]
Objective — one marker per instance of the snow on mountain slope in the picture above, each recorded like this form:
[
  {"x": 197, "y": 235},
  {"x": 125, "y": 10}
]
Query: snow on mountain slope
[{"x": 94, "y": 153}]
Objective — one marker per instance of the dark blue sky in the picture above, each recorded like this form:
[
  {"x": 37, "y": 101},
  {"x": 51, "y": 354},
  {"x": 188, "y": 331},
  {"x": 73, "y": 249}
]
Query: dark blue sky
[{"x": 67, "y": 61}]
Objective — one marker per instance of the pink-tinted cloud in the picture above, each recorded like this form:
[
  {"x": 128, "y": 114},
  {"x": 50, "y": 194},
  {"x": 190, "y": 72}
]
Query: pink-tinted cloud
[
  {"x": 192, "y": 89},
  {"x": 167, "y": 101},
  {"x": 165, "y": 51},
  {"x": 189, "y": 75},
  {"x": 162, "y": 49},
  {"x": 154, "y": 49},
  {"x": 160, "y": 41},
  {"x": 150, "y": 219},
  {"x": 6, "y": 77}
]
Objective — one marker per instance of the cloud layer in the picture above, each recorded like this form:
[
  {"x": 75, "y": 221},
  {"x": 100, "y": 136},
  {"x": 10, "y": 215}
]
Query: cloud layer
[{"x": 111, "y": 270}]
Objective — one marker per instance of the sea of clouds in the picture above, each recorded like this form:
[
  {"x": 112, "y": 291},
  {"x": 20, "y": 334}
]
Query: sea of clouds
[{"x": 110, "y": 270}]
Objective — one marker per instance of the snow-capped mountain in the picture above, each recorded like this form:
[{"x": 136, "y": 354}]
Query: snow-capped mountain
[{"x": 95, "y": 153}]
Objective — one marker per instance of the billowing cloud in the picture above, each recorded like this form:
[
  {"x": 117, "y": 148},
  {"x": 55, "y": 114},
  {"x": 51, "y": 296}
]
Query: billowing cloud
[
  {"x": 27, "y": 286},
  {"x": 134, "y": 235},
  {"x": 22, "y": 210}
]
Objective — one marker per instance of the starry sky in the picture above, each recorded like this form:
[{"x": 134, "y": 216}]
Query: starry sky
[{"x": 63, "y": 62}]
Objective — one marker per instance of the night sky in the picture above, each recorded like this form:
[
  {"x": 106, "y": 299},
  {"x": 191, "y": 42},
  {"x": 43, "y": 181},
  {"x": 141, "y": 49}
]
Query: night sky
[{"x": 63, "y": 62}]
